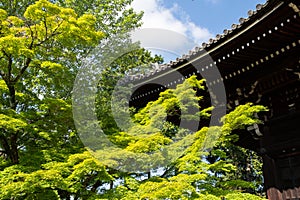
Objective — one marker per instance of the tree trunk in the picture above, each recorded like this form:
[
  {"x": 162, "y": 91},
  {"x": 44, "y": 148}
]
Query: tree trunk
[
  {"x": 12, "y": 94},
  {"x": 11, "y": 146},
  {"x": 111, "y": 185},
  {"x": 14, "y": 149},
  {"x": 11, "y": 150}
]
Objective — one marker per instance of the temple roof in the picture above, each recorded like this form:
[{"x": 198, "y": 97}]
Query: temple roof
[
  {"x": 258, "y": 61},
  {"x": 244, "y": 32}
]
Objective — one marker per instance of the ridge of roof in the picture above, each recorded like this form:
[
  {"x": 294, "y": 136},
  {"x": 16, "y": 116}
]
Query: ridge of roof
[
  {"x": 226, "y": 33},
  {"x": 156, "y": 68}
]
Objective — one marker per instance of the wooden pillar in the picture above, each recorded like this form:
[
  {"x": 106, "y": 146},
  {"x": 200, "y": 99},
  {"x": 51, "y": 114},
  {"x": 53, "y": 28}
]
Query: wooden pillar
[
  {"x": 271, "y": 178},
  {"x": 282, "y": 177}
]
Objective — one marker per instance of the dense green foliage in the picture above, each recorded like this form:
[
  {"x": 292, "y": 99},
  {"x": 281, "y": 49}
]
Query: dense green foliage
[{"x": 41, "y": 156}]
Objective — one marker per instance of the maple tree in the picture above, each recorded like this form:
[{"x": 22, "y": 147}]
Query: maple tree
[{"x": 42, "y": 45}]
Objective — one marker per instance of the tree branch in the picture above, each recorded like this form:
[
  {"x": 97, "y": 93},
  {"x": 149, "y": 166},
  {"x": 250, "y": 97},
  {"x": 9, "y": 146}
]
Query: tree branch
[
  {"x": 32, "y": 37},
  {"x": 54, "y": 33},
  {"x": 46, "y": 28},
  {"x": 23, "y": 69},
  {"x": 9, "y": 67},
  {"x": 96, "y": 185}
]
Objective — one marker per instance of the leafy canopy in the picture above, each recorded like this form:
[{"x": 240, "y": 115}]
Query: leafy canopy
[{"x": 41, "y": 47}]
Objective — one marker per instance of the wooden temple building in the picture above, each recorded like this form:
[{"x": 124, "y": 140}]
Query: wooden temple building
[{"x": 259, "y": 62}]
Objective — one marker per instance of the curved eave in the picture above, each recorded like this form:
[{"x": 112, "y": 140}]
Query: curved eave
[{"x": 265, "y": 16}]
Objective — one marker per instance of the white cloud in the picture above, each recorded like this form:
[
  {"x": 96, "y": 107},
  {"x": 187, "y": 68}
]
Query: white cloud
[{"x": 156, "y": 15}]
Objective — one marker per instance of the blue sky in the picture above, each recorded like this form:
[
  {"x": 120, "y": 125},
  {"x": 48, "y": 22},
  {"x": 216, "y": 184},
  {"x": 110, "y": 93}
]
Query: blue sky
[
  {"x": 215, "y": 15},
  {"x": 199, "y": 20}
]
